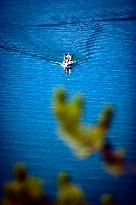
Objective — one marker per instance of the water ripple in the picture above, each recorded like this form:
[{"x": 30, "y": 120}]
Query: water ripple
[{"x": 49, "y": 41}]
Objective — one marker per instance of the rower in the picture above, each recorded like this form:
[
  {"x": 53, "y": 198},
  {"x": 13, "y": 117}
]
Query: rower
[
  {"x": 69, "y": 57},
  {"x": 66, "y": 60}
]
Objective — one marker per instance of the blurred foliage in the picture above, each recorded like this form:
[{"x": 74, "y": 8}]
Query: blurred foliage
[
  {"x": 69, "y": 193},
  {"x": 114, "y": 160},
  {"x": 83, "y": 139},
  {"x": 24, "y": 189},
  {"x": 86, "y": 140},
  {"x": 28, "y": 190},
  {"x": 108, "y": 199}
]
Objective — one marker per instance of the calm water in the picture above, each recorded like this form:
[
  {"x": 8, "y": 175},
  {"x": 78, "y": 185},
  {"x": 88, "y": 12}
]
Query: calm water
[{"x": 34, "y": 35}]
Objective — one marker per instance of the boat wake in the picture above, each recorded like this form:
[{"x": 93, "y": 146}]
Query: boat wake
[{"x": 50, "y": 41}]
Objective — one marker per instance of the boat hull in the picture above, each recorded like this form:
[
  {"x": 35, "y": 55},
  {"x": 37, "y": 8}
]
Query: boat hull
[{"x": 68, "y": 65}]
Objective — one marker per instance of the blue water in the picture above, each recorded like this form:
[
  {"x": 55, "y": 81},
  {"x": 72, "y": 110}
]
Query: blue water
[{"x": 34, "y": 35}]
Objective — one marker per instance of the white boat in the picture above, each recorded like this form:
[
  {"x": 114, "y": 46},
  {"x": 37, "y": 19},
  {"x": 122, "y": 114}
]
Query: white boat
[
  {"x": 68, "y": 63},
  {"x": 68, "y": 66}
]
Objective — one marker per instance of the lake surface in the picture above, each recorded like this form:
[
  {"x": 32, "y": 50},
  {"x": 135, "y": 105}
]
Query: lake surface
[{"x": 34, "y": 36}]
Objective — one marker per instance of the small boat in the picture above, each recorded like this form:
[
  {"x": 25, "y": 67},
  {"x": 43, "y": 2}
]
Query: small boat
[{"x": 68, "y": 64}]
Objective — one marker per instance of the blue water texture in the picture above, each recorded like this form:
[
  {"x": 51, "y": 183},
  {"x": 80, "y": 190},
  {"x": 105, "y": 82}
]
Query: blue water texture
[{"x": 34, "y": 36}]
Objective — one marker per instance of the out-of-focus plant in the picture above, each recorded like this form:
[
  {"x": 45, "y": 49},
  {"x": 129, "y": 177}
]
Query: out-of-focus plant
[
  {"x": 108, "y": 199},
  {"x": 114, "y": 160},
  {"x": 83, "y": 139},
  {"x": 69, "y": 193},
  {"x": 86, "y": 140},
  {"x": 24, "y": 189}
]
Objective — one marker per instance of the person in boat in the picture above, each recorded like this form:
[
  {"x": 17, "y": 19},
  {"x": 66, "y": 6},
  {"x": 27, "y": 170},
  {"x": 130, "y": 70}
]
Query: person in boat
[{"x": 67, "y": 58}]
